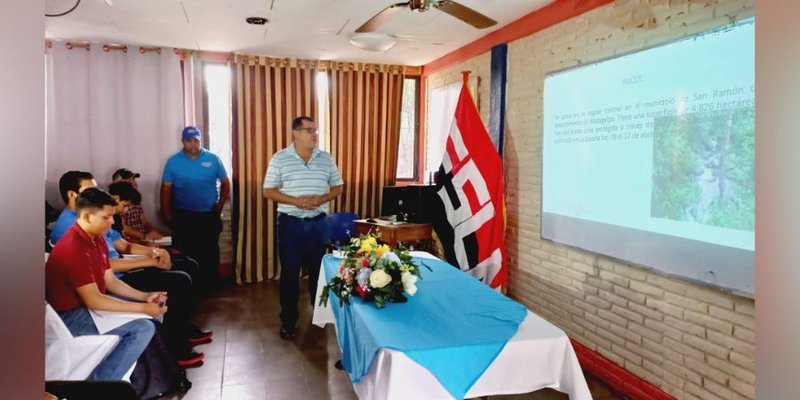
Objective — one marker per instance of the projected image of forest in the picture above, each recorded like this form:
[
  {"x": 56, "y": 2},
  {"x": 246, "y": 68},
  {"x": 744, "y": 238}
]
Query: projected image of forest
[{"x": 704, "y": 168}]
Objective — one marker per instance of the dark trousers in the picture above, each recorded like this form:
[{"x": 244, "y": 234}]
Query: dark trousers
[
  {"x": 181, "y": 262},
  {"x": 196, "y": 234},
  {"x": 300, "y": 243},
  {"x": 180, "y": 301}
]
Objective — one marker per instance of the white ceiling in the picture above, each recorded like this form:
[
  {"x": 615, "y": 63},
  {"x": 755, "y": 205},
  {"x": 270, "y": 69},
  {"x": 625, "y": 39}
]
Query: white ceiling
[{"x": 313, "y": 29}]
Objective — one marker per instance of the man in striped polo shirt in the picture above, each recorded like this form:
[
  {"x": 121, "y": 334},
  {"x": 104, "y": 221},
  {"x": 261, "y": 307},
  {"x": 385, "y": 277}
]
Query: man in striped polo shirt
[{"x": 302, "y": 179}]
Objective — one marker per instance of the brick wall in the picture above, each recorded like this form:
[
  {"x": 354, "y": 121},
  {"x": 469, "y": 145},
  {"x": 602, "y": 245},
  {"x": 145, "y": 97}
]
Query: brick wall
[
  {"x": 226, "y": 241},
  {"x": 691, "y": 341}
]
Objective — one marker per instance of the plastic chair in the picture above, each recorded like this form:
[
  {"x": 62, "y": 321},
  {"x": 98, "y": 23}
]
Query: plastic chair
[
  {"x": 72, "y": 358},
  {"x": 339, "y": 228}
]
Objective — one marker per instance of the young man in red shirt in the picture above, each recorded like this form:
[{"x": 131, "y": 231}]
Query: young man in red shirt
[{"x": 78, "y": 276}]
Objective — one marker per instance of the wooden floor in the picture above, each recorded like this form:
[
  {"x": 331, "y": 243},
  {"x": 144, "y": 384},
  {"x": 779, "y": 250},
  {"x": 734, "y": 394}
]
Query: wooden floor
[{"x": 247, "y": 360}]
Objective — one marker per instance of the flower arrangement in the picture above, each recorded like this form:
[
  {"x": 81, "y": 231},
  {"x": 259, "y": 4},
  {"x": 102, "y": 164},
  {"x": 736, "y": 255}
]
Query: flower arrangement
[{"x": 374, "y": 272}]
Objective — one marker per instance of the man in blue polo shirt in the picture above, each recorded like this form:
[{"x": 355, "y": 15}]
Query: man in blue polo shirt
[
  {"x": 302, "y": 179},
  {"x": 194, "y": 188}
]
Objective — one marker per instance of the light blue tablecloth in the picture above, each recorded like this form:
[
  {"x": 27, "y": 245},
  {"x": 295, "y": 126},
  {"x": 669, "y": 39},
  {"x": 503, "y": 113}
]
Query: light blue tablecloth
[{"x": 454, "y": 326}]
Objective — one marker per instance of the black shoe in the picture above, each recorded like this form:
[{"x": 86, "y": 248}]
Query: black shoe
[
  {"x": 199, "y": 336},
  {"x": 339, "y": 365},
  {"x": 190, "y": 360},
  {"x": 287, "y": 334},
  {"x": 191, "y": 343}
]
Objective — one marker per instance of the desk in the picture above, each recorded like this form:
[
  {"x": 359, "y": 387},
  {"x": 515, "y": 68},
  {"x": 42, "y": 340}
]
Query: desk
[
  {"x": 538, "y": 356},
  {"x": 393, "y": 232}
]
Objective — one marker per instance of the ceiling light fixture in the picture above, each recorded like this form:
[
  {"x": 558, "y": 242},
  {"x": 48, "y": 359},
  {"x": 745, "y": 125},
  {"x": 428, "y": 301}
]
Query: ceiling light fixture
[
  {"x": 373, "y": 41},
  {"x": 256, "y": 20},
  {"x": 65, "y": 12}
]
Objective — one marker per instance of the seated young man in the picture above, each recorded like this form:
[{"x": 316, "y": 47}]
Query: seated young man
[
  {"x": 126, "y": 195},
  {"x": 78, "y": 275},
  {"x": 70, "y": 185},
  {"x": 135, "y": 225},
  {"x": 149, "y": 273}
]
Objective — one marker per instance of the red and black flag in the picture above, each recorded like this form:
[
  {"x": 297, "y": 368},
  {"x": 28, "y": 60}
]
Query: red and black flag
[{"x": 469, "y": 208}]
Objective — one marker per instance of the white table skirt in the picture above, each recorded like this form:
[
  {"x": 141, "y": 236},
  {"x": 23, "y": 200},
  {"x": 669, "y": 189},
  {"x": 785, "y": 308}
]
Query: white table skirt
[{"x": 538, "y": 356}]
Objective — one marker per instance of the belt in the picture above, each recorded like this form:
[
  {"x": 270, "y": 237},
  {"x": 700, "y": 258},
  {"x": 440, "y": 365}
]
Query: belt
[{"x": 314, "y": 218}]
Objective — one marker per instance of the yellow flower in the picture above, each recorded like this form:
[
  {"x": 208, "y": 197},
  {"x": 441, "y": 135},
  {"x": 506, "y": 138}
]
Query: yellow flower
[
  {"x": 381, "y": 250},
  {"x": 368, "y": 244}
]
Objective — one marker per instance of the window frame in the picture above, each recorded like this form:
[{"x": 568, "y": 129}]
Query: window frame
[{"x": 416, "y": 148}]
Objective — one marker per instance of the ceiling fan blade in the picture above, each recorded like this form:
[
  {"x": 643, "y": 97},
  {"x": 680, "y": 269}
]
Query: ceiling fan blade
[
  {"x": 466, "y": 14},
  {"x": 382, "y": 16}
]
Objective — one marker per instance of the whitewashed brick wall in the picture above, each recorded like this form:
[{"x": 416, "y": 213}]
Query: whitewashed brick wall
[
  {"x": 225, "y": 237},
  {"x": 692, "y": 341}
]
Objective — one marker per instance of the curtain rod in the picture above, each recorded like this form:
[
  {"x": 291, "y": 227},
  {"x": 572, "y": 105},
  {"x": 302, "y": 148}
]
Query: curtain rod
[{"x": 107, "y": 47}]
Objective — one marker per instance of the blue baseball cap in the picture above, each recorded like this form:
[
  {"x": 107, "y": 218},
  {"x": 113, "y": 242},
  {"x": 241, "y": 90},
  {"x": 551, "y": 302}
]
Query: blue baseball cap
[{"x": 191, "y": 132}]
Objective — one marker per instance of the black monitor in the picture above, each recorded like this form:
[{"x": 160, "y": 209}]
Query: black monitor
[{"x": 406, "y": 202}]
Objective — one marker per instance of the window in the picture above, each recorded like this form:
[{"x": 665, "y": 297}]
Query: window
[
  {"x": 217, "y": 84},
  {"x": 409, "y": 128},
  {"x": 441, "y": 109}
]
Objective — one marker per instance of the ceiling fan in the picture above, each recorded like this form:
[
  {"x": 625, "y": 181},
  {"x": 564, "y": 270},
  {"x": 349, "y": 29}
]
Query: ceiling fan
[{"x": 457, "y": 10}]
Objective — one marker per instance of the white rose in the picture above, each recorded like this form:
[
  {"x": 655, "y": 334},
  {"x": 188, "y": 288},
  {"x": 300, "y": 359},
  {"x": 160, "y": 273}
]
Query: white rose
[
  {"x": 379, "y": 278},
  {"x": 409, "y": 283}
]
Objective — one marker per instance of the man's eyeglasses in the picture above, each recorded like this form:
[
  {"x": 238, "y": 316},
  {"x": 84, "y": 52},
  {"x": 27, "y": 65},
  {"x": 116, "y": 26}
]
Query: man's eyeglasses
[{"x": 309, "y": 130}]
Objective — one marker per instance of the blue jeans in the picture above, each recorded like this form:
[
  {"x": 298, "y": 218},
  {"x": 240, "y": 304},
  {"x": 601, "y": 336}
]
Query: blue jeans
[
  {"x": 300, "y": 242},
  {"x": 134, "y": 337}
]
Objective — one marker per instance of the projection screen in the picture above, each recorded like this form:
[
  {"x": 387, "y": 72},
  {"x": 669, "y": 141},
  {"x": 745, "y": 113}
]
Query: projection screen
[{"x": 649, "y": 157}]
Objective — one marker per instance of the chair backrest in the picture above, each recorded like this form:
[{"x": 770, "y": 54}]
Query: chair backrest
[
  {"x": 54, "y": 328},
  {"x": 72, "y": 358},
  {"x": 340, "y": 226}
]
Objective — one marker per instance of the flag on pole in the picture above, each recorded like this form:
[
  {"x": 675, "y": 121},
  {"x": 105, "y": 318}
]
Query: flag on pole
[{"x": 468, "y": 212}]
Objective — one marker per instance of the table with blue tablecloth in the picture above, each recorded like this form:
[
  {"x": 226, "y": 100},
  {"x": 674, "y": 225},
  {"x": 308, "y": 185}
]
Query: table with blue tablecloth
[{"x": 455, "y": 338}]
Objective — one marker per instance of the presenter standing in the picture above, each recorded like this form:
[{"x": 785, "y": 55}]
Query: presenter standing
[{"x": 302, "y": 179}]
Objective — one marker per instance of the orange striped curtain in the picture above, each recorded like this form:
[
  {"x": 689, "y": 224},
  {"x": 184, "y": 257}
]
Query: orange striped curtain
[
  {"x": 363, "y": 128},
  {"x": 267, "y": 93}
]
